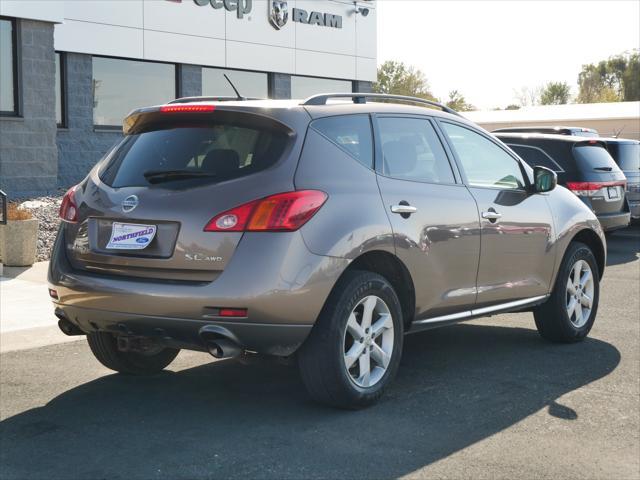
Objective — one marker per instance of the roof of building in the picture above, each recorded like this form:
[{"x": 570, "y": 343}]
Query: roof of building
[{"x": 558, "y": 113}]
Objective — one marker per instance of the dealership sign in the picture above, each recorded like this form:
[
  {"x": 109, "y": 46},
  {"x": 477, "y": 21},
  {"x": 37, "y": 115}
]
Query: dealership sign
[{"x": 278, "y": 12}]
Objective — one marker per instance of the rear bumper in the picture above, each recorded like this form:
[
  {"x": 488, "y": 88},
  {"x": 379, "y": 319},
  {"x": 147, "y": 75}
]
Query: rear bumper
[
  {"x": 274, "y": 276},
  {"x": 269, "y": 339},
  {"x": 614, "y": 221}
]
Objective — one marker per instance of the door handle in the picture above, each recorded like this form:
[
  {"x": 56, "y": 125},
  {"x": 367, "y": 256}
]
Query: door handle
[
  {"x": 403, "y": 209},
  {"x": 491, "y": 215}
]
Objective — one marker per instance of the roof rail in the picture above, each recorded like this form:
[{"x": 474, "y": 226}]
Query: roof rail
[
  {"x": 322, "y": 99},
  {"x": 211, "y": 99}
]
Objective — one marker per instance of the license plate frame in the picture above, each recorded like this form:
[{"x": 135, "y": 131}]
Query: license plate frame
[
  {"x": 613, "y": 193},
  {"x": 131, "y": 236}
]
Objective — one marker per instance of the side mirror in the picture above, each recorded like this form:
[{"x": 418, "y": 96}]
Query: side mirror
[{"x": 545, "y": 179}]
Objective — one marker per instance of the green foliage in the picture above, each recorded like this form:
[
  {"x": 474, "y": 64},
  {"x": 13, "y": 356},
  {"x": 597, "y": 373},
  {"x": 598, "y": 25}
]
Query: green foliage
[
  {"x": 458, "y": 102},
  {"x": 555, "y": 93},
  {"x": 399, "y": 79},
  {"x": 616, "y": 79},
  {"x": 513, "y": 106}
]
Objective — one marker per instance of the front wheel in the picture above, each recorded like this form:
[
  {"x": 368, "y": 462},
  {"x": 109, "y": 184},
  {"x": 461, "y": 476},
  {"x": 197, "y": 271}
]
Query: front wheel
[
  {"x": 569, "y": 313},
  {"x": 354, "y": 350}
]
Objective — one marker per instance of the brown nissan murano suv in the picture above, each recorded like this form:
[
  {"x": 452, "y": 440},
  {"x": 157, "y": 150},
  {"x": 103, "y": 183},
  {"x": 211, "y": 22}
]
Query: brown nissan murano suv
[{"x": 326, "y": 228}]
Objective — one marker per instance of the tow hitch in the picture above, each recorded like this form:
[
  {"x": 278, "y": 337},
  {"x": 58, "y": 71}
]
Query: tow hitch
[{"x": 130, "y": 343}]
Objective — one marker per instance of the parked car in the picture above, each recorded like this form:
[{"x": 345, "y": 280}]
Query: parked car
[
  {"x": 326, "y": 228},
  {"x": 584, "y": 166},
  {"x": 626, "y": 154},
  {"x": 577, "y": 131}
]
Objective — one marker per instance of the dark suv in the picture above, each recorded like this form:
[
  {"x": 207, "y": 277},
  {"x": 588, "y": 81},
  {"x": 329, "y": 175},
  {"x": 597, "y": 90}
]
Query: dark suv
[
  {"x": 626, "y": 154},
  {"x": 559, "y": 130},
  {"x": 327, "y": 228},
  {"x": 584, "y": 166}
]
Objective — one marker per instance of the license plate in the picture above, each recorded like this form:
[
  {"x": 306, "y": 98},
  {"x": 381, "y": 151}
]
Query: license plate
[
  {"x": 613, "y": 193},
  {"x": 129, "y": 236}
]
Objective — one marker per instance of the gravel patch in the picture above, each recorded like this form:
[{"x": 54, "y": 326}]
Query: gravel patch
[{"x": 45, "y": 209}]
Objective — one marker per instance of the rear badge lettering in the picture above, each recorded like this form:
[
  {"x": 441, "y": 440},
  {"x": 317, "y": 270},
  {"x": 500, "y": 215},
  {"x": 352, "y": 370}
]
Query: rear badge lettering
[{"x": 198, "y": 257}]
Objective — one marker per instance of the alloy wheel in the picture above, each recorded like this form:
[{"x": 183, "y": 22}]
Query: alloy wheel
[
  {"x": 580, "y": 291},
  {"x": 368, "y": 341}
]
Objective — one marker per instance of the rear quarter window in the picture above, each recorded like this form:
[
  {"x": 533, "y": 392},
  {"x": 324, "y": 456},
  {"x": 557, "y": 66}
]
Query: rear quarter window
[
  {"x": 211, "y": 153},
  {"x": 536, "y": 157},
  {"x": 352, "y": 133}
]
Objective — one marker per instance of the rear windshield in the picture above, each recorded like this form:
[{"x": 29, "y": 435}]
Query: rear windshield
[
  {"x": 188, "y": 155},
  {"x": 626, "y": 155},
  {"x": 594, "y": 157}
]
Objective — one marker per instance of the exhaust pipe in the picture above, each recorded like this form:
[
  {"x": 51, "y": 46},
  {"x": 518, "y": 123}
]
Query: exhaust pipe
[
  {"x": 69, "y": 328},
  {"x": 223, "y": 348},
  {"x": 219, "y": 342}
]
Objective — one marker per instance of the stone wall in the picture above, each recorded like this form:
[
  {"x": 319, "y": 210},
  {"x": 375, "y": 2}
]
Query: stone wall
[{"x": 28, "y": 153}]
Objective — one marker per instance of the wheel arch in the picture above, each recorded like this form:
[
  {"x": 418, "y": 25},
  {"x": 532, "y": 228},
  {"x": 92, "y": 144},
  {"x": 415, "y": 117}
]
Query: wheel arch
[
  {"x": 593, "y": 241},
  {"x": 394, "y": 270}
]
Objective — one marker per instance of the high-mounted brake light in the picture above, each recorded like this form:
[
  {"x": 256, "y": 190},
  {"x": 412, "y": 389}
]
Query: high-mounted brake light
[
  {"x": 187, "y": 108},
  {"x": 283, "y": 212},
  {"x": 592, "y": 189},
  {"x": 69, "y": 208}
]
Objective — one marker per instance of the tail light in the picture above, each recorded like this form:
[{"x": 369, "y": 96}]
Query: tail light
[
  {"x": 591, "y": 189},
  {"x": 187, "y": 108},
  {"x": 283, "y": 212},
  {"x": 69, "y": 208}
]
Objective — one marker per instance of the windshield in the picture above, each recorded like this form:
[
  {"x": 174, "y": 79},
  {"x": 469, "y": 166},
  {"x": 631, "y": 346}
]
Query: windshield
[{"x": 192, "y": 154}]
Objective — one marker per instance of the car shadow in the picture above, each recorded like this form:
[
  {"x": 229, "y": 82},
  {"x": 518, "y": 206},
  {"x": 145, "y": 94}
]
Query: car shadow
[
  {"x": 456, "y": 386},
  {"x": 623, "y": 246}
]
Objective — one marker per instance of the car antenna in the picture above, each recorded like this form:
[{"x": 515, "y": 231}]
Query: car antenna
[{"x": 240, "y": 97}]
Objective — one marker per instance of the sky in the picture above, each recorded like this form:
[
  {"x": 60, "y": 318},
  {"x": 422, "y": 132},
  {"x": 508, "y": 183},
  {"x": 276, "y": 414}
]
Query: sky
[{"x": 488, "y": 49}]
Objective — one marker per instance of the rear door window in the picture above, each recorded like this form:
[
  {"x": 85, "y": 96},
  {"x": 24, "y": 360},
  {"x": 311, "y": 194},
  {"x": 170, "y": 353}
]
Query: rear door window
[
  {"x": 199, "y": 154},
  {"x": 536, "y": 157},
  {"x": 411, "y": 150},
  {"x": 352, "y": 133}
]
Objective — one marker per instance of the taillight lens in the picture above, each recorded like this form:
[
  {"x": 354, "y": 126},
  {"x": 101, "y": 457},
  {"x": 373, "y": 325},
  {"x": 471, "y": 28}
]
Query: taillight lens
[
  {"x": 592, "y": 189},
  {"x": 69, "y": 208},
  {"x": 283, "y": 212}
]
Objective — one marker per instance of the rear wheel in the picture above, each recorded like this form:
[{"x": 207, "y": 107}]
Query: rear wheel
[
  {"x": 145, "y": 362},
  {"x": 569, "y": 313},
  {"x": 354, "y": 350}
]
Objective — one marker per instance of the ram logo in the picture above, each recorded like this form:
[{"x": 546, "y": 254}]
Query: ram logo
[{"x": 278, "y": 13}]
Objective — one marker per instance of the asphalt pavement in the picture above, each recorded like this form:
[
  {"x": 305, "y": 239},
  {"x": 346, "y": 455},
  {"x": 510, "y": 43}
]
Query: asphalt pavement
[{"x": 484, "y": 399}]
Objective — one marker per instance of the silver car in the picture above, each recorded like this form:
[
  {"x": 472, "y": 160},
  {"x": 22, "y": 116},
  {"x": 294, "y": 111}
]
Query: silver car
[{"x": 326, "y": 228}]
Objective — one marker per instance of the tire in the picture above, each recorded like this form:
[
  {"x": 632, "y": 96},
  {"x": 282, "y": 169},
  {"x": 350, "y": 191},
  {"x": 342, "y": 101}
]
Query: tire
[
  {"x": 323, "y": 357},
  {"x": 555, "y": 319},
  {"x": 105, "y": 348}
]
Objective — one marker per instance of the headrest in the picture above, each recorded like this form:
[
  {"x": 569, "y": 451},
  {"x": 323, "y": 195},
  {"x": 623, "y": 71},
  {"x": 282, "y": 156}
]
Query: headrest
[{"x": 221, "y": 162}]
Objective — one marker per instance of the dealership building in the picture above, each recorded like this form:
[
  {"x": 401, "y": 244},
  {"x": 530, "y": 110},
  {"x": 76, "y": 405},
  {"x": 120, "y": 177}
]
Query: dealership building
[{"x": 70, "y": 71}]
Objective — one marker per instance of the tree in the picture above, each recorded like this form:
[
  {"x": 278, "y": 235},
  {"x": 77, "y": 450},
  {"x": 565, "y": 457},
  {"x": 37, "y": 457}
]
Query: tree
[
  {"x": 513, "y": 106},
  {"x": 458, "y": 102},
  {"x": 527, "y": 96},
  {"x": 399, "y": 79},
  {"x": 616, "y": 79},
  {"x": 555, "y": 93}
]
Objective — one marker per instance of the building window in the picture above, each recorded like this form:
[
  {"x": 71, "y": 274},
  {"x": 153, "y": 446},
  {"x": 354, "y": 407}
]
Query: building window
[
  {"x": 60, "y": 91},
  {"x": 249, "y": 84},
  {"x": 120, "y": 86},
  {"x": 8, "y": 70},
  {"x": 303, "y": 87}
]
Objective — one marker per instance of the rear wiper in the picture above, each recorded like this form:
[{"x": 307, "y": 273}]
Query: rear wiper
[
  {"x": 604, "y": 169},
  {"x": 157, "y": 176}
]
